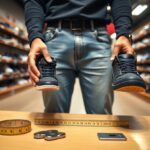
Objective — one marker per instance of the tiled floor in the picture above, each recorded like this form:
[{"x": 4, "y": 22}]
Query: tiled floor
[{"x": 31, "y": 100}]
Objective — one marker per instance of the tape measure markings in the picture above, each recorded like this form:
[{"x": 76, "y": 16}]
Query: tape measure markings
[
  {"x": 15, "y": 127},
  {"x": 88, "y": 123}
]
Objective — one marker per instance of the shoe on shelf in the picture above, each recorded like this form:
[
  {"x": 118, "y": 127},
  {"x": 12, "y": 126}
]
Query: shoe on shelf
[
  {"x": 7, "y": 57},
  {"x": 1, "y": 74},
  {"x": 9, "y": 40},
  {"x": 125, "y": 76},
  {"x": 21, "y": 81},
  {"x": 23, "y": 58},
  {"x": 47, "y": 80},
  {"x": 7, "y": 70}
]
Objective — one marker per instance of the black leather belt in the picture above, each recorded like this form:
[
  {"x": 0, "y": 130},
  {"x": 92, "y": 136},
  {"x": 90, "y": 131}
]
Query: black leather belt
[{"x": 76, "y": 24}]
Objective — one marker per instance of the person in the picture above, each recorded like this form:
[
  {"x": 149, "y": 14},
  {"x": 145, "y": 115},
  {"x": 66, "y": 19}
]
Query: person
[{"x": 74, "y": 33}]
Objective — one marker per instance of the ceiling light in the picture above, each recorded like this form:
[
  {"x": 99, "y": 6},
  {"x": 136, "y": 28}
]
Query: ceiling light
[{"x": 139, "y": 9}]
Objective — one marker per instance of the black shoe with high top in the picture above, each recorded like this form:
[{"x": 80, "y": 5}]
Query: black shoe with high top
[
  {"x": 125, "y": 76},
  {"x": 47, "y": 80}
]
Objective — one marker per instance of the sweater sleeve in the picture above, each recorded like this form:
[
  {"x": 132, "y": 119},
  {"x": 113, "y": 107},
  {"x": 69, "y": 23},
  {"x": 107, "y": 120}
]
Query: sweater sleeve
[
  {"x": 34, "y": 18},
  {"x": 122, "y": 18}
]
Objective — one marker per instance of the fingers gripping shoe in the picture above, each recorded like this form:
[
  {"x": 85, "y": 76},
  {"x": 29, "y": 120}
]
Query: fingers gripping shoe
[
  {"x": 47, "y": 80},
  {"x": 125, "y": 76}
]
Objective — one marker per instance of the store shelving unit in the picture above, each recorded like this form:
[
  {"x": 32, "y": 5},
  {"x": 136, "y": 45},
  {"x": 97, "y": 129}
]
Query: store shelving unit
[
  {"x": 14, "y": 75},
  {"x": 143, "y": 49},
  {"x": 13, "y": 89},
  {"x": 12, "y": 61},
  {"x": 8, "y": 31},
  {"x": 12, "y": 48},
  {"x": 143, "y": 62},
  {"x": 141, "y": 35},
  {"x": 144, "y": 70}
]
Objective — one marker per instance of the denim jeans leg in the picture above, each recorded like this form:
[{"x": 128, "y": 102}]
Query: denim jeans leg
[
  {"x": 61, "y": 47},
  {"x": 95, "y": 72},
  {"x": 59, "y": 101}
]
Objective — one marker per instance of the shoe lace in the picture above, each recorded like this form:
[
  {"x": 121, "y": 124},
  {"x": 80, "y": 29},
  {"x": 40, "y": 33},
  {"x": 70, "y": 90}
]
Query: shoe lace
[
  {"x": 127, "y": 67},
  {"x": 48, "y": 70}
]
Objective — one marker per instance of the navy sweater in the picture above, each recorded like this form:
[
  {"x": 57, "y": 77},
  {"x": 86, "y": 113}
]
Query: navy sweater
[{"x": 37, "y": 12}]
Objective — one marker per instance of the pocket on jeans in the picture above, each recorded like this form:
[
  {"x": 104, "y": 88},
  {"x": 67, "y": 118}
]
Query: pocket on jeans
[
  {"x": 102, "y": 36},
  {"x": 50, "y": 34}
]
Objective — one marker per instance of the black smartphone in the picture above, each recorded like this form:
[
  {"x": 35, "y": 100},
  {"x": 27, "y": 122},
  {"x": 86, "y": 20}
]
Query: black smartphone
[{"x": 111, "y": 136}]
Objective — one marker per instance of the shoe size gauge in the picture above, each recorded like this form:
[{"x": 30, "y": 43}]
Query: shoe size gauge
[
  {"x": 112, "y": 136},
  {"x": 86, "y": 123},
  {"x": 15, "y": 127},
  {"x": 49, "y": 135}
]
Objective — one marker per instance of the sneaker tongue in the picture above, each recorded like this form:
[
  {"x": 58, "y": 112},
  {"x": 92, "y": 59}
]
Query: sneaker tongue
[
  {"x": 43, "y": 61},
  {"x": 125, "y": 56}
]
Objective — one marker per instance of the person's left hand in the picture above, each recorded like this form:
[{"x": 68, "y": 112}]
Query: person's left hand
[{"x": 122, "y": 45}]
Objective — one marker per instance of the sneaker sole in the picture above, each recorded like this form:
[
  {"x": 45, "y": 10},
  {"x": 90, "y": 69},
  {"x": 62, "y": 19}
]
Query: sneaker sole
[
  {"x": 131, "y": 89},
  {"x": 130, "y": 86},
  {"x": 47, "y": 88}
]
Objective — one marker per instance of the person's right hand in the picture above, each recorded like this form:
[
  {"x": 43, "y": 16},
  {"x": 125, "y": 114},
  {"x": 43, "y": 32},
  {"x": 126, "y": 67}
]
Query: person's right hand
[{"x": 38, "y": 47}]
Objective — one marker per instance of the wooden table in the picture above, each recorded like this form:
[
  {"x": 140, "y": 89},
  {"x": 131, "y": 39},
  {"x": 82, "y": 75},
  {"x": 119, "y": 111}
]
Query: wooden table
[{"x": 77, "y": 137}]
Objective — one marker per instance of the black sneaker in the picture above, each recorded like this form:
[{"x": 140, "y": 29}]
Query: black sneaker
[
  {"x": 125, "y": 76},
  {"x": 48, "y": 80}
]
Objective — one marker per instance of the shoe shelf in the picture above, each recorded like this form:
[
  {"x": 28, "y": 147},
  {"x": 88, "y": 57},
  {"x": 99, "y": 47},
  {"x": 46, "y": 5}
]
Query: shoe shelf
[
  {"x": 142, "y": 69},
  {"x": 146, "y": 46},
  {"x": 13, "y": 75},
  {"x": 13, "y": 46},
  {"x": 9, "y": 31},
  {"x": 14, "y": 88},
  {"x": 142, "y": 33},
  {"x": 146, "y": 80},
  {"x": 143, "y": 62},
  {"x": 141, "y": 36},
  {"x": 141, "y": 44},
  {"x": 12, "y": 61}
]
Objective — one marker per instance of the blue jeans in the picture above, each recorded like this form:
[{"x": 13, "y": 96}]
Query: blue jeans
[{"x": 85, "y": 55}]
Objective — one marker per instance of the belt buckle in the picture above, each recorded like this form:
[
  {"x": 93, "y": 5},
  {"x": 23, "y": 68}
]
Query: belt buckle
[{"x": 74, "y": 28}]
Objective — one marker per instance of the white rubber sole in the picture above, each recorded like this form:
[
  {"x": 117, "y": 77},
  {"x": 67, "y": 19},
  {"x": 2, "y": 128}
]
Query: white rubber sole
[{"x": 47, "y": 88}]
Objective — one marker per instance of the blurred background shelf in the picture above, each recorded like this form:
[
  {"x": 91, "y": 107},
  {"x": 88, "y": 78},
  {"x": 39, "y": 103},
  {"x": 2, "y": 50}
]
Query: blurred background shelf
[
  {"x": 145, "y": 70},
  {"x": 14, "y": 76},
  {"x": 143, "y": 62},
  {"x": 12, "y": 61},
  {"x": 14, "y": 88},
  {"x": 9, "y": 31},
  {"x": 146, "y": 46},
  {"x": 141, "y": 36},
  {"x": 12, "y": 46}
]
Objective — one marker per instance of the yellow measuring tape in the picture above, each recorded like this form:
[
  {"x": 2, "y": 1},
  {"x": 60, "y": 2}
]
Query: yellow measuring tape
[
  {"x": 87, "y": 123},
  {"x": 14, "y": 127}
]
